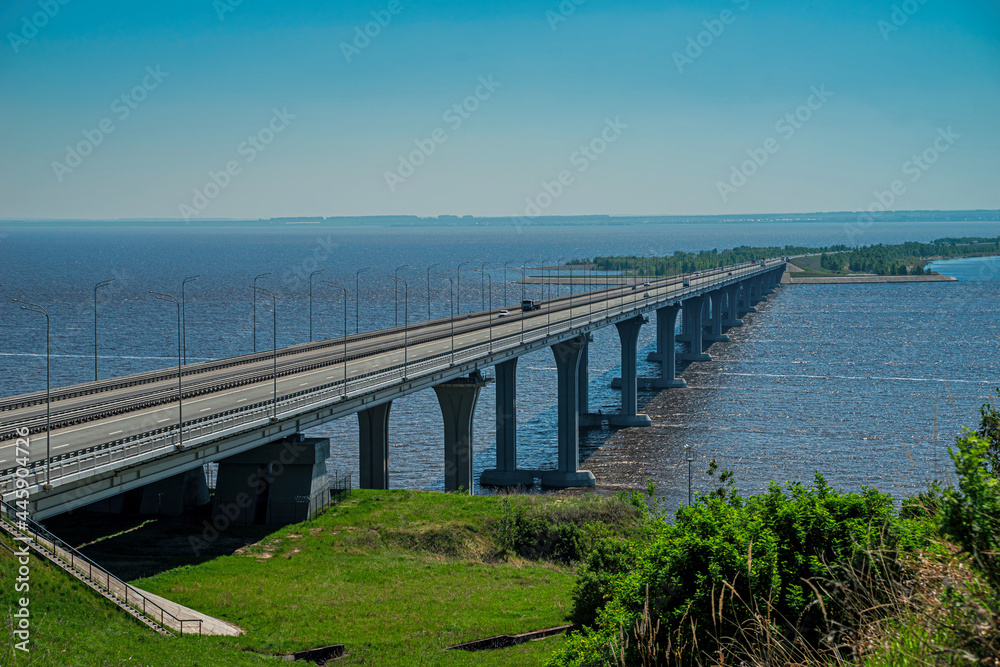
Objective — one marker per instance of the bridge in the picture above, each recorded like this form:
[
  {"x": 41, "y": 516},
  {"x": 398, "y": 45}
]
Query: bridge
[{"x": 151, "y": 433}]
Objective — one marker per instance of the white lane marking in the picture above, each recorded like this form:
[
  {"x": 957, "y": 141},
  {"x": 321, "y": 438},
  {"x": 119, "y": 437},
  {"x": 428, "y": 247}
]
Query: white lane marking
[
  {"x": 116, "y": 432},
  {"x": 241, "y": 400},
  {"x": 204, "y": 409},
  {"x": 160, "y": 421},
  {"x": 303, "y": 384}
]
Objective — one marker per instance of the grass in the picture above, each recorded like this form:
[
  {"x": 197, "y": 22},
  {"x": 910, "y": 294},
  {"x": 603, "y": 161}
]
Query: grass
[{"x": 394, "y": 575}]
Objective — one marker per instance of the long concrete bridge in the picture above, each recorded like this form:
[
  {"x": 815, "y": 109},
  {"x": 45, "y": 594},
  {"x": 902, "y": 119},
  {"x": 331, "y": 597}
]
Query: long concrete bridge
[{"x": 131, "y": 435}]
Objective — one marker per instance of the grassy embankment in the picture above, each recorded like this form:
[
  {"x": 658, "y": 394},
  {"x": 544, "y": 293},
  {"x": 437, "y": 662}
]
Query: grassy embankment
[{"x": 394, "y": 575}]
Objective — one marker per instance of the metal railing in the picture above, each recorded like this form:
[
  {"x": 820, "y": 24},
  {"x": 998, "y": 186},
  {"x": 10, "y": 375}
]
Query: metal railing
[
  {"x": 259, "y": 414},
  {"x": 54, "y": 548}
]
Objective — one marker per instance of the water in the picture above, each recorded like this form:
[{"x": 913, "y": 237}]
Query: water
[{"x": 842, "y": 379}]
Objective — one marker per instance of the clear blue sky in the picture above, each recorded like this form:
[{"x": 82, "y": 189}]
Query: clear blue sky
[{"x": 895, "y": 87}]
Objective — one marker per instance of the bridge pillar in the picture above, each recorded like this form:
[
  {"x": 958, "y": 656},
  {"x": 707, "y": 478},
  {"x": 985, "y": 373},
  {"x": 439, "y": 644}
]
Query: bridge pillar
[
  {"x": 457, "y": 399},
  {"x": 731, "y": 314},
  {"x": 747, "y": 298},
  {"x": 373, "y": 436},
  {"x": 693, "y": 324},
  {"x": 715, "y": 334},
  {"x": 506, "y": 472},
  {"x": 666, "y": 332},
  {"x": 587, "y": 418},
  {"x": 284, "y": 481},
  {"x": 761, "y": 288},
  {"x": 628, "y": 333},
  {"x": 567, "y": 355}
]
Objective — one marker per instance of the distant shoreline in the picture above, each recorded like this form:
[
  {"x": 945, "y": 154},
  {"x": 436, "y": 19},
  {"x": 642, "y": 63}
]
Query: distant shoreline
[{"x": 788, "y": 279}]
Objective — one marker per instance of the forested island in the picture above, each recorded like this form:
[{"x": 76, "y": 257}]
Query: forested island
[{"x": 881, "y": 259}]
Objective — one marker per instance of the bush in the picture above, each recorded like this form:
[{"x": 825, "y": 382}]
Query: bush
[{"x": 727, "y": 563}]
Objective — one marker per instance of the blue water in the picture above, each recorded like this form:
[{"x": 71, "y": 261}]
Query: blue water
[{"x": 844, "y": 379}]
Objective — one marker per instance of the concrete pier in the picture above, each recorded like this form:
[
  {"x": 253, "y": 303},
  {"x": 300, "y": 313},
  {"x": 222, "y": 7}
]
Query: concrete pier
[
  {"x": 693, "y": 324},
  {"x": 373, "y": 442},
  {"x": 506, "y": 472},
  {"x": 284, "y": 481},
  {"x": 715, "y": 334},
  {"x": 586, "y": 417},
  {"x": 457, "y": 399},
  {"x": 567, "y": 355},
  {"x": 628, "y": 333},
  {"x": 732, "y": 312}
]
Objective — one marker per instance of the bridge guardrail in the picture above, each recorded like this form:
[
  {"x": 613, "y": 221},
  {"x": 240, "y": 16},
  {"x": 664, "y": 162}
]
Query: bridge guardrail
[{"x": 306, "y": 401}]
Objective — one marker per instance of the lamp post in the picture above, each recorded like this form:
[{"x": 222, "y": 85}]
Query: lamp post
[
  {"x": 103, "y": 283},
  {"x": 35, "y": 308},
  {"x": 357, "y": 298},
  {"x": 180, "y": 390},
  {"x": 505, "y": 265},
  {"x": 184, "y": 323},
  {"x": 523, "y": 277},
  {"x": 406, "y": 307},
  {"x": 344, "y": 289},
  {"x": 311, "y": 301},
  {"x": 690, "y": 459},
  {"x": 489, "y": 313},
  {"x": 263, "y": 275},
  {"x": 395, "y": 287},
  {"x": 482, "y": 287},
  {"x": 458, "y": 292},
  {"x": 548, "y": 305},
  {"x": 451, "y": 300},
  {"x": 429, "y": 291},
  {"x": 274, "y": 341}
]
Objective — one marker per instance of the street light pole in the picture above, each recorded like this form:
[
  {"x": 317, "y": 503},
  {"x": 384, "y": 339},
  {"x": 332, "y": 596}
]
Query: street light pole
[
  {"x": 458, "y": 292},
  {"x": 338, "y": 285},
  {"x": 311, "y": 301},
  {"x": 395, "y": 287},
  {"x": 429, "y": 291},
  {"x": 274, "y": 341},
  {"x": 690, "y": 459},
  {"x": 482, "y": 287},
  {"x": 103, "y": 283},
  {"x": 263, "y": 275},
  {"x": 184, "y": 322},
  {"x": 180, "y": 390},
  {"x": 406, "y": 302},
  {"x": 357, "y": 298},
  {"x": 489, "y": 313},
  {"x": 451, "y": 301},
  {"x": 35, "y": 308},
  {"x": 505, "y": 265}
]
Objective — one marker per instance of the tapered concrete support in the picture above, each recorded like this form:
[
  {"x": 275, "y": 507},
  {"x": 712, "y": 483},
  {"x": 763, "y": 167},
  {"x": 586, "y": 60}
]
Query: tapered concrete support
[
  {"x": 506, "y": 472},
  {"x": 457, "y": 399},
  {"x": 628, "y": 333},
  {"x": 666, "y": 332},
  {"x": 373, "y": 437},
  {"x": 567, "y": 355},
  {"x": 284, "y": 481},
  {"x": 715, "y": 334},
  {"x": 731, "y": 313},
  {"x": 746, "y": 298},
  {"x": 693, "y": 324},
  {"x": 761, "y": 287},
  {"x": 587, "y": 419}
]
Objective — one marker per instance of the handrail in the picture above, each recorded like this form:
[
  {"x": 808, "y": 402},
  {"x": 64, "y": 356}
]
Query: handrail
[
  {"x": 360, "y": 384},
  {"x": 38, "y": 533}
]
